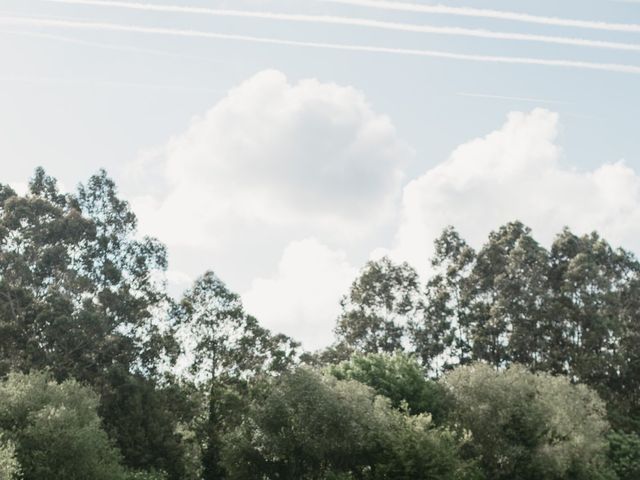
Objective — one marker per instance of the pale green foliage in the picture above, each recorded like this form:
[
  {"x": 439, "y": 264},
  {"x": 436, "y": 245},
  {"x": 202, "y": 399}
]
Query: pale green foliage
[
  {"x": 312, "y": 426},
  {"x": 530, "y": 426},
  {"x": 146, "y": 476},
  {"x": 9, "y": 466},
  {"x": 56, "y": 429}
]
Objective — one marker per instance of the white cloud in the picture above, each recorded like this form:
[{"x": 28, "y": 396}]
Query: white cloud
[
  {"x": 302, "y": 298},
  {"x": 21, "y": 188},
  {"x": 515, "y": 173},
  {"x": 310, "y": 155}
]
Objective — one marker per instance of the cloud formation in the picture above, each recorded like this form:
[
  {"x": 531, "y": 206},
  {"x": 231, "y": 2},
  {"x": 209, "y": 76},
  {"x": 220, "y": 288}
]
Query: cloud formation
[
  {"x": 311, "y": 155},
  {"x": 514, "y": 173},
  {"x": 302, "y": 298},
  {"x": 275, "y": 161}
]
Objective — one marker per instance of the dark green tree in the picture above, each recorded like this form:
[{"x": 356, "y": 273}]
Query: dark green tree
[
  {"x": 508, "y": 297},
  {"x": 443, "y": 336},
  {"x": 229, "y": 348},
  {"x": 81, "y": 296},
  {"x": 401, "y": 379},
  {"x": 307, "y": 426},
  {"x": 624, "y": 453}
]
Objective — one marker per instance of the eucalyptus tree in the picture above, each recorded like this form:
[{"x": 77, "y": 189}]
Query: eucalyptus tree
[
  {"x": 443, "y": 336},
  {"x": 508, "y": 287},
  {"x": 82, "y": 296},
  {"x": 380, "y": 305},
  {"x": 227, "y": 348}
]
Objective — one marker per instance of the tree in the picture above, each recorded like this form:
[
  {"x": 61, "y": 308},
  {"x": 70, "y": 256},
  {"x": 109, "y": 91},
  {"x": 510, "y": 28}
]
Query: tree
[
  {"x": 230, "y": 347},
  {"x": 527, "y": 426},
  {"x": 9, "y": 466},
  {"x": 624, "y": 453},
  {"x": 382, "y": 301},
  {"x": 127, "y": 276},
  {"x": 444, "y": 334},
  {"x": 41, "y": 287},
  {"x": 596, "y": 303},
  {"x": 401, "y": 379},
  {"x": 81, "y": 296},
  {"x": 56, "y": 429},
  {"x": 508, "y": 290},
  {"x": 305, "y": 426},
  {"x": 143, "y": 418}
]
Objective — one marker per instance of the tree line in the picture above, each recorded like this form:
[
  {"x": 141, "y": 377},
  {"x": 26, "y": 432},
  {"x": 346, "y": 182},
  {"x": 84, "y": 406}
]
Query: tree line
[{"x": 512, "y": 361}]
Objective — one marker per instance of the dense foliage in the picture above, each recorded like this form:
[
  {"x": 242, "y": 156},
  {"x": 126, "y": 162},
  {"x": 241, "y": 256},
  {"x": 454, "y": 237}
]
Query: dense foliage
[{"x": 512, "y": 361}]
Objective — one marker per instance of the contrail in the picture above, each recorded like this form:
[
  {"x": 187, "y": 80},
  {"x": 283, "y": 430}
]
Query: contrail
[
  {"x": 43, "y": 22},
  {"x": 359, "y": 22},
  {"x": 109, "y": 46},
  {"x": 485, "y": 13}
]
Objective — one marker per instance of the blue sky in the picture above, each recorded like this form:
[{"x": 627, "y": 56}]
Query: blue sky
[{"x": 324, "y": 157}]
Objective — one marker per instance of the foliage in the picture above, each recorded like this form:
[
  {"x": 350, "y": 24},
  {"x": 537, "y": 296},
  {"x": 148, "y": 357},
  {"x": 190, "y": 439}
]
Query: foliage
[
  {"x": 152, "y": 475},
  {"x": 230, "y": 348},
  {"x": 56, "y": 429},
  {"x": 401, "y": 394},
  {"x": 529, "y": 426},
  {"x": 400, "y": 378},
  {"x": 9, "y": 466},
  {"x": 624, "y": 452},
  {"x": 381, "y": 303},
  {"x": 311, "y": 426}
]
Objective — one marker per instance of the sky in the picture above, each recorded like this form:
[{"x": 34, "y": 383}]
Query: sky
[{"x": 284, "y": 143}]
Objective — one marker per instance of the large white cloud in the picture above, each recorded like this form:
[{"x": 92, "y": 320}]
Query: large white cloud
[
  {"x": 515, "y": 173},
  {"x": 309, "y": 155},
  {"x": 302, "y": 299}
]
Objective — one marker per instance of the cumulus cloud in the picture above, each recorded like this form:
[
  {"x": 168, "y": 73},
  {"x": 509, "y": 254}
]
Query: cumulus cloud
[
  {"x": 311, "y": 155},
  {"x": 515, "y": 173},
  {"x": 302, "y": 298}
]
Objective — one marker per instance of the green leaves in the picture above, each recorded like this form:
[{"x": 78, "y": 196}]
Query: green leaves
[
  {"x": 529, "y": 426},
  {"x": 306, "y": 425},
  {"x": 56, "y": 430},
  {"x": 9, "y": 465},
  {"x": 382, "y": 302},
  {"x": 399, "y": 378}
]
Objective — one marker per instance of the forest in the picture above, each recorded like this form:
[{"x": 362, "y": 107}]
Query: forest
[{"x": 510, "y": 362}]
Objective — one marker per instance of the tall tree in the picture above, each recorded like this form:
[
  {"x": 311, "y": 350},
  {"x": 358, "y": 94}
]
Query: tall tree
[
  {"x": 596, "y": 292},
  {"x": 230, "y": 347},
  {"x": 42, "y": 292},
  {"x": 81, "y": 296},
  {"x": 443, "y": 336},
  {"x": 508, "y": 288},
  {"x": 127, "y": 275},
  {"x": 381, "y": 303}
]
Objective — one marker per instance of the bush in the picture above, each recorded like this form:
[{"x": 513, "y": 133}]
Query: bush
[
  {"x": 56, "y": 430},
  {"x": 307, "y": 425},
  {"x": 9, "y": 466},
  {"x": 527, "y": 426}
]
